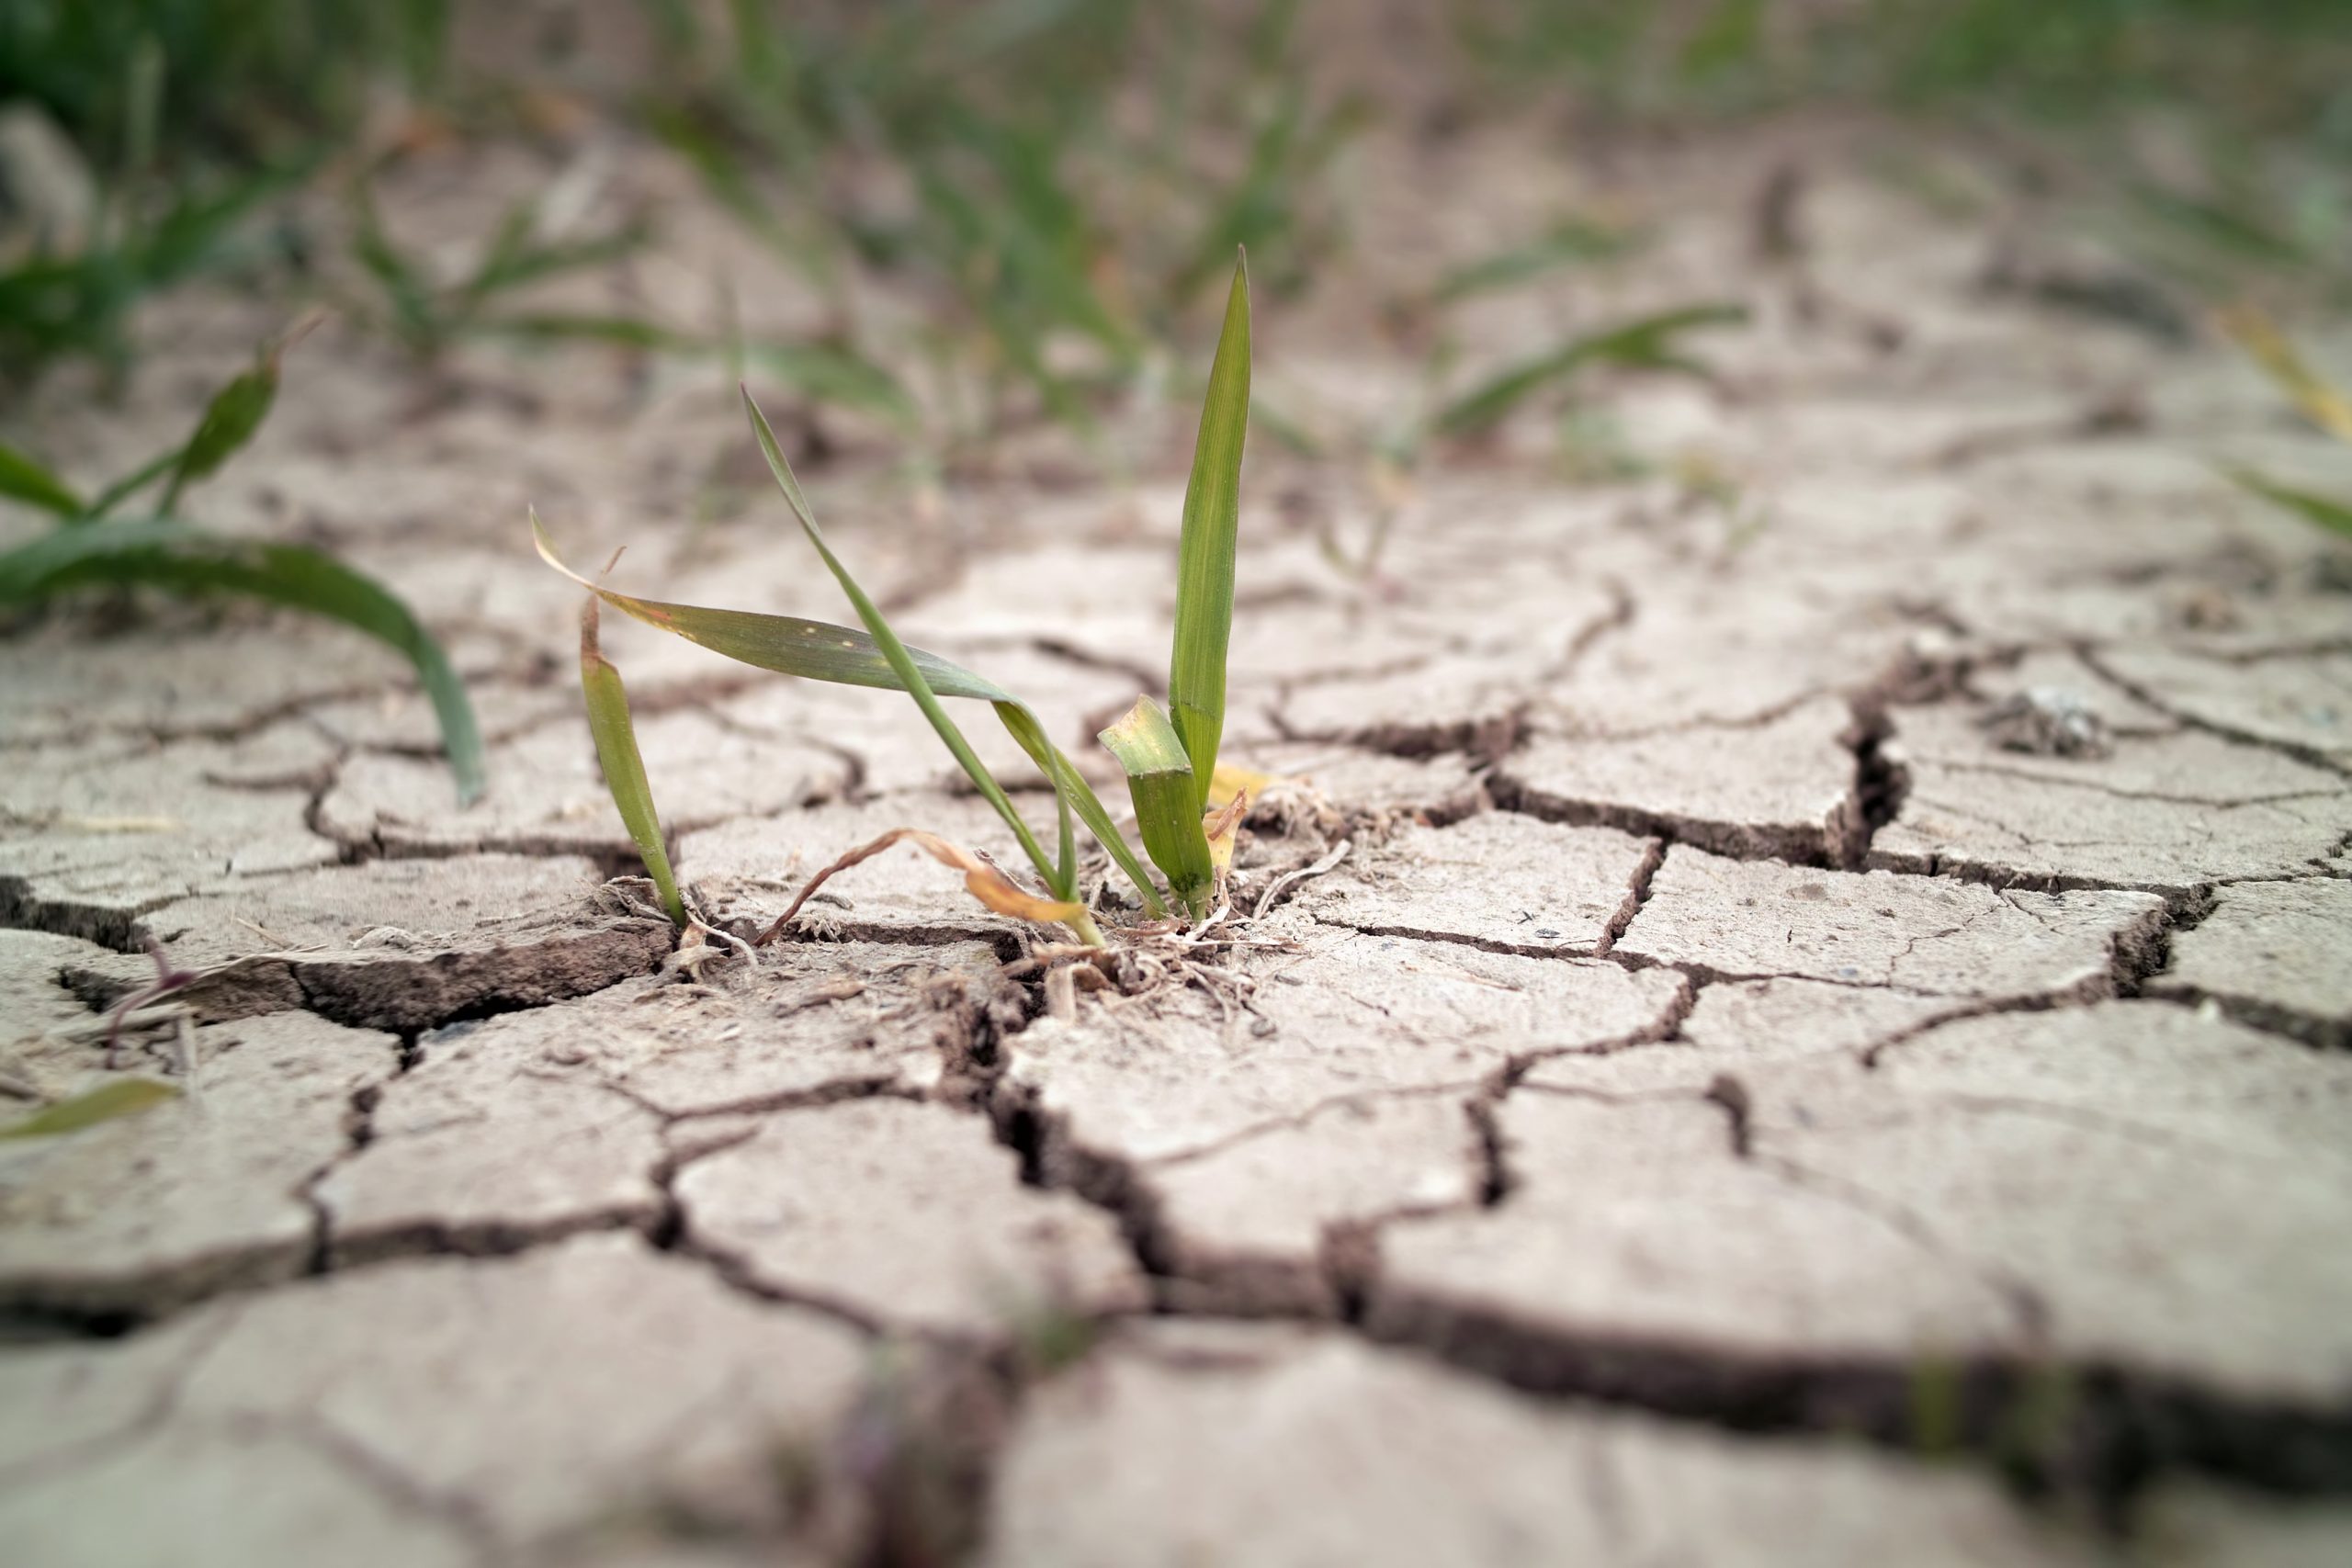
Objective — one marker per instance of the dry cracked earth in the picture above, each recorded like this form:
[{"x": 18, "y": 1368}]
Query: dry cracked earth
[{"x": 1827, "y": 1042}]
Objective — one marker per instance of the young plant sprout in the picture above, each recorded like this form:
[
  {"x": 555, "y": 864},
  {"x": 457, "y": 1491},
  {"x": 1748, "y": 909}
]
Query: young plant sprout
[
  {"x": 90, "y": 545},
  {"x": 1169, "y": 755}
]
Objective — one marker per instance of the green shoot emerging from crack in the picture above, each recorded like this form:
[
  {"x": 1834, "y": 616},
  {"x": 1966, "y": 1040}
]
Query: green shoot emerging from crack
[
  {"x": 624, "y": 765},
  {"x": 89, "y": 547},
  {"x": 1170, "y": 760}
]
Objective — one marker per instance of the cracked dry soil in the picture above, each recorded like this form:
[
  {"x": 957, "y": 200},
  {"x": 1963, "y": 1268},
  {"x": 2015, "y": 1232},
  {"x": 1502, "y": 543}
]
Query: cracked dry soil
[{"x": 1724, "y": 1108}]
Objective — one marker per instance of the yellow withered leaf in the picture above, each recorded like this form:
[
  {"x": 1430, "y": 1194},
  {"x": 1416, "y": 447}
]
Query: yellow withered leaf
[
  {"x": 984, "y": 881},
  {"x": 2324, "y": 404},
  {"x": 1223, "y": 826},
  {"x": 1230, "y": 780}
]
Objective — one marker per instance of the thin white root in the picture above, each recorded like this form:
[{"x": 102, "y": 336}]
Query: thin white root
[
  {"x": 1061, "y": 993},
  {"x": 137, "y": 1018},
  {"x": 188, "y": 1055},
  {"x": 712, "y": 933},
  {"x": 1214, "y": 918},
  {"x": 1266, "y": 899}
]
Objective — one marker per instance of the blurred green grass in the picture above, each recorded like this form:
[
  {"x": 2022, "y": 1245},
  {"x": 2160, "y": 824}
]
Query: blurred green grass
[
  {"x": 1048, "y": 185},
  {"x": 242, "y": 79}
]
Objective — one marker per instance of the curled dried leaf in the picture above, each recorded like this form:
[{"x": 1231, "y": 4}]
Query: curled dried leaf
[
  {"x": 1231, "y": 779},
  {"x": 1222, "y": 827},
  {"x": 2321, "y": 401},
  {"x": 983, "y": 880}
]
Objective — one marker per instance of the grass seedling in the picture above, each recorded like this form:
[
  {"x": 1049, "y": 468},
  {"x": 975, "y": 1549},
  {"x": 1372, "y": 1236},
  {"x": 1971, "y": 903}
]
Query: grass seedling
[
  {"x": 624, "y": 765},
  {"x": 1572, "y": 241},
  {"x": 1587, "y": 451},
  {"x": 73, "y": 292},
  {"x": 90, "y": 547},
  {"x": 1043, "y": 240},
  {"x": 1170, "y": 760},
  {"x": 427, "y": 315},
  {"x": 1648, "y": 343}
]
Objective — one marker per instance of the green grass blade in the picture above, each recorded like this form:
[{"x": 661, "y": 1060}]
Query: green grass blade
[
  {"x": 2335, "y": 516},
  {"x": 818, "y": 650},
  {"x": 1569, "y": 243},
  {"x": 508, "y": 272},
  {"x": 1211, "y": 536},
  {"x": 1167, "y": 800},
  {"x": 624, "y": 764},
  {"x": 23, "y": 479},
  {"x": 833, "y": 375},
  {"x": 230, "y": 421},
  {"x": 1060, "y": 872},
  {"x": 1647, "y": 343},
  {"x": 615, "y": 331},
  {"x": 124, "y": 1097},
  {"x": 172, "y": 555},
  {"x": 131, "y": 484},
  {"x": 1022, "y": 725}
]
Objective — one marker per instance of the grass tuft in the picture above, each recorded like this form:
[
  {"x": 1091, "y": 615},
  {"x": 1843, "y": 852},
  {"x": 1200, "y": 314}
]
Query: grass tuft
[
  {"x": 1170, "y": 764},
  {"x": 89, "y": 549}
]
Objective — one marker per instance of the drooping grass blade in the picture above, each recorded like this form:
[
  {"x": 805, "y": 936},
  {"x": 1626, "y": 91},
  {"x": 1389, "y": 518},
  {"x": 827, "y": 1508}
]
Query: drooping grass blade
[
  {"x": 1061, "y": 871},
  {"x": 1645, "y": 345},
  {"x": 624, "y": 764},
  {"x": 1167, "y": 801},
  {"x": 174, "y": 556},
  {"x": 1211, "y": 535}
]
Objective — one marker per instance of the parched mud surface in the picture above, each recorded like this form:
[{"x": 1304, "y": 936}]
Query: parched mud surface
[{"x": 1748, "y": 1092}]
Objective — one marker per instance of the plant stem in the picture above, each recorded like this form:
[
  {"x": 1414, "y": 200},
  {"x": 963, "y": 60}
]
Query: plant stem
[{"x": 1088, "y": 931}]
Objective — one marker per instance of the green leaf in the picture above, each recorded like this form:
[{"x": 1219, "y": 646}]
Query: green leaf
[
  {"x": 1061, "y": 871},
  {"x": 517, "y": 257},
  {"x": 819, "y": 650},
  {"x": 2335, "y": 516},
  {"x": 1022, "y": 725},
  {"x": 2221, "y": 227},
  {"x": 124, "y": 1097},
  {"x": 1643, "y": 344},
  {"x": 833, "y": 374},
  {"x": 131, "y": 484},
  {"x": 230, "y": 420},
  {"x": 624, "y": 764},
  {"x": 415, "y": 319},
  {"x": 23, "y": 479},
  {"x": 1167, "y": 800},
  {"x": 1570, "y": 242},
  {"x": 174, "y": 556},
  {"x": 788, "y": 644},
  {"x": 618, "y": 332},
  {"x": 1211, "y": 536}
]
